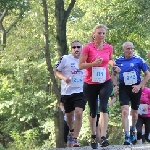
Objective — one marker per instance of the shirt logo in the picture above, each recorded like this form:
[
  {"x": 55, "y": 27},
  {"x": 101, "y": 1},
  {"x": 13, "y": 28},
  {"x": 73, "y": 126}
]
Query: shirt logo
[
  {"x": 77, "y": 72},
  {"x": 131, "y": 65}
]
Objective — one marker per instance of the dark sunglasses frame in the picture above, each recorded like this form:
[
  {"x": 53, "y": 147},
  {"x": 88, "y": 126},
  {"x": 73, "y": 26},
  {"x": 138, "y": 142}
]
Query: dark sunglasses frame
[{"x": 76, "y": 47}]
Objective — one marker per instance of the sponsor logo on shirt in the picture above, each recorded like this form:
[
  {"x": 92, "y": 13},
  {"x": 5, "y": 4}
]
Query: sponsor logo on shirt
[
  {"x": 131, "y": 65},
  {"x": 72, "y": 64},
  {"x": 77, "y": 71}
]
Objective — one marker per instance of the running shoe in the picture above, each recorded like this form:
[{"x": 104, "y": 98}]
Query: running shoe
[
  {"x": 132, "y": 137},
  {"x": 104, "y": 142},
  {"x": 70, "y": 139},
  {"x": 127, "y": 140},
  {"x": 75, "y": 143},
  {"x": 94, "y": 143}
]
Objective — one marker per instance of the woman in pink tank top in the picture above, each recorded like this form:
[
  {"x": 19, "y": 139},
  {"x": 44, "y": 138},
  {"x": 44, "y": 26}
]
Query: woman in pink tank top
[
  {"x": 144, "y": 115},
  {"x": 95, "y": 58}
]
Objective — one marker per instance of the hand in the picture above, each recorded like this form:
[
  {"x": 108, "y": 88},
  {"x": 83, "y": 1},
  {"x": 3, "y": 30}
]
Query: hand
[
  {"x": 63, "y": 111},
  {"x": 135, "y": 88},
  {"x": 67, "y": 80},
  {"x": 145, "y": 108},
  {"x": 116, "y": 68},
  {"x": 97, "y": 61}
]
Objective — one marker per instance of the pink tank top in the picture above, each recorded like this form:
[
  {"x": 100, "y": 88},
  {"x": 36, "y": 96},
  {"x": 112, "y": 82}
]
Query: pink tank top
[
  {"x": 145, "y": 99},
  {"x": 92, "y": 53}
]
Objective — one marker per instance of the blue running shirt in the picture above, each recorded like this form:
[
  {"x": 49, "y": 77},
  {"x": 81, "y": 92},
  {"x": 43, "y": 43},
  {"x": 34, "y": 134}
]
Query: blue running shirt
[{"x": 135, "y": 64}]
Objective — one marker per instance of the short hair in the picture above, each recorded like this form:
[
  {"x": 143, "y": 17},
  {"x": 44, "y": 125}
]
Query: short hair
[
  {"x": 76, "y": 41},
  {"x": 95, "y": 28},
  {"x": 124, "y": 44}
]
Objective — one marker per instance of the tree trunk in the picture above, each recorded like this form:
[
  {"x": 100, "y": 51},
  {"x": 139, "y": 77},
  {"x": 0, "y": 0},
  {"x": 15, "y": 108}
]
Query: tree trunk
[
  {"x": 47, "y": 53},
  {"x": 58, "y": 120},
  {"x": 3, "y": 39},
  {"x": 5, "y": 31},
  {"x": 60, "y": 27},
  {"x": 61, "y": 20},
  {"x": 59, "y": 127}
]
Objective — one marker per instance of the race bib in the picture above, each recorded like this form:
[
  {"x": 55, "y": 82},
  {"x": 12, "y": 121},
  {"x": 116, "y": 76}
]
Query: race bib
[
  {"x": 98, "y": 74},
  {"x": 130, "y": 78},
  {"x": 142, "y": 110},
  {"x": 76, "y": 80}
]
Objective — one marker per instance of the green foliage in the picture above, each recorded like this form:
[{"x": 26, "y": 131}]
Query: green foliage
[
  {"x": 85, "y": 138},
  {"x": 126, "y": 21},
  {"x": 1, "y": 147},
  {"x": 115, "y": 134},
  {"x": 26, "y": 95},
  {"x": 13, "y": 4},
  {"x": 115, "y": 114}
]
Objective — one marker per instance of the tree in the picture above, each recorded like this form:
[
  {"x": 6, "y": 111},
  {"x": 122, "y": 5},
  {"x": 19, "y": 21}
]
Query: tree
[
  {"x": 22, "y": 79},
  {"x": 7, "y": 8},
  {"x": 61, "y": 21}
]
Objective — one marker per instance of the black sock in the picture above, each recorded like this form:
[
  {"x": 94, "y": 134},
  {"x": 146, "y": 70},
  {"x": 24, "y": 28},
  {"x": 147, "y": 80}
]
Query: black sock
[
  {"x": 72, "y": 130},
  {"x": 103, "y": 137},
  {"x": 93, "y": 136}
]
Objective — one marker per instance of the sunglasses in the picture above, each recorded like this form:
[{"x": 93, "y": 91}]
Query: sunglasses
[{"x": 76, "y": 47}]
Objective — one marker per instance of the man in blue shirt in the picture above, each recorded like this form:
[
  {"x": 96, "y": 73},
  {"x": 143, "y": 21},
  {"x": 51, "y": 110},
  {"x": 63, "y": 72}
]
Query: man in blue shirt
[{"x": 130, "y": 87}]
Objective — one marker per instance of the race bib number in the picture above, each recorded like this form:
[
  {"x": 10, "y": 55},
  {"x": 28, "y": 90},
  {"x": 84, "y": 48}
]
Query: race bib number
[
  {"x": 130, "y": 78},
  {"x": 76, "y": 80},
  {"x": 98, "y": 74}
]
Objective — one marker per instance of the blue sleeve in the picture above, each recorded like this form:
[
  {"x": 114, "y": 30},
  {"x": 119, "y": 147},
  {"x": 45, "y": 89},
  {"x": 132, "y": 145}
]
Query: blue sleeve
[{"x": 143, "y": 65}]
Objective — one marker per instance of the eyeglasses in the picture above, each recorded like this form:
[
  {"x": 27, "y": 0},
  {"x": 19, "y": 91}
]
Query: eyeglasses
[{"x": 76, "y": 47}]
